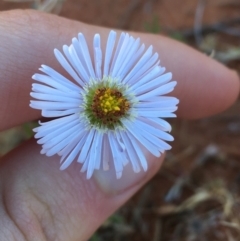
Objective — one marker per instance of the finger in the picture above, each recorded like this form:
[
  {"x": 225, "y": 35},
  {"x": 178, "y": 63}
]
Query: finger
[
  {"x": 28, "y": 38},
  {"x": 42, "y": 203}
]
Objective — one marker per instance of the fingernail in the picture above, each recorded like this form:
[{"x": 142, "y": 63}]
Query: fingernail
[{"x": 108, "y": 183}]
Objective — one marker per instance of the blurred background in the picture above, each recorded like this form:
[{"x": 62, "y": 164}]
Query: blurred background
[{"x": 196, "y": 194}]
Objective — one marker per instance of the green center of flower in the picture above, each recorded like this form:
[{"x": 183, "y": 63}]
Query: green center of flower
[{"x": 105, "y": 105}]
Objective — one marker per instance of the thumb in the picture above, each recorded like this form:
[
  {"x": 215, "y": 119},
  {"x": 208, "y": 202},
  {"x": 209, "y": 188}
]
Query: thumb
[{"x": 40, "y": 203}]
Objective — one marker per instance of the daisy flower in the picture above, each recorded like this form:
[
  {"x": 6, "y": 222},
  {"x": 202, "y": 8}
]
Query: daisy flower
[{"x": 110, "y": 109}]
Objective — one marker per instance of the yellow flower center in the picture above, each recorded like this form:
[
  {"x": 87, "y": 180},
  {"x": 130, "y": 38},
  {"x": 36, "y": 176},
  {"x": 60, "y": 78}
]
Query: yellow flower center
[{"x": 109, "y": 105}]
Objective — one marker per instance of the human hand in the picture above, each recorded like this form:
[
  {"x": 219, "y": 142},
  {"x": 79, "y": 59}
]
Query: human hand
[{"x": 39, "y": 202}]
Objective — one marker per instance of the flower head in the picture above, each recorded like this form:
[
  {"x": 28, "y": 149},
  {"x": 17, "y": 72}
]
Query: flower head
[{"x": 110, "y": 111}]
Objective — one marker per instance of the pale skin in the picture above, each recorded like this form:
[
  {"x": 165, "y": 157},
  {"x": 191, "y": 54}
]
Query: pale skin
[{"x": 39, "y": 202}]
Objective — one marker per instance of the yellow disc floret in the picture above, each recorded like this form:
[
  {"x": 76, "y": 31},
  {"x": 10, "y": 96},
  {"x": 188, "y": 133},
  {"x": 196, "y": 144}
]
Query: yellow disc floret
[{"x": 109, "y": 105}]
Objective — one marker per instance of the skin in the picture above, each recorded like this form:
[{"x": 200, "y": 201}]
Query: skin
[{"x": 39, "y": 202}]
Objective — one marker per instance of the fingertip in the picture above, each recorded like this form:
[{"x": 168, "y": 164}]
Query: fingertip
[
  {"x": 205, "y": 88},
  {"x": 227, "y": 87},
  {"x": 235, "y": 86}
]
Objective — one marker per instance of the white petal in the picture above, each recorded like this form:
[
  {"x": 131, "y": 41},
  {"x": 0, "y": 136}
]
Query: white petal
[
  {"x": 87, "y": 146},
  {"x": 97, "y": 55},
  {"x": 39, "y": 88},
  {"x": 138, "y": 135},
  {"x": 121, "y": 54},
  {"x": 132, "y": 62},
  {"x": 62, "y": 137},
  {"x": 51, "y": 82},
  {"x": 99, "y": 145},
  {"x": 85, "y": 164},
  {"x": 73, "y": 153},
  {"x": 78, "y": 52},
  {"x": 159, "y": 144},
  {"x": 86, "y": 55},
  {"x": 119, "y": 45},
  {"x": 61, "y": 59},
  {"x": 122, "y": 148},
  {"x": 79, "y": 140},
  {"x": 48, "y": 134},
  {"x": 59, "y": 78},
  {"x": 158, "y": 100},
  {"x": 54, "y": 124},
  {"x": 109, "y": 51},
  {"x": 58, "y": 113},
  {"x": 164, "y": 89},
  {"x": 52, "y": 150},
  {"x": 51, "y": 97},
  {"x": 132, "y": 156},
  {"x": 116, "y": 155},
  {"x": 139, "y": 152},
  {"x": 92, "y": 157},
  {"x": 53, "y": 105},
  {"x": 153, "y": 131},
  {"x": 106, "y": 153},
  {"x": 81, "y": 75},
  {"x": 128, "y": 60},
  {"x": 158, "y": 123},
  {"x": 139, "y": 67},
  {"x": 152, "y": 62},
  {"x": 163, "y": 79},
  {"x": 156, "y": 71},
  {"x": 156, "y": 113}
]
